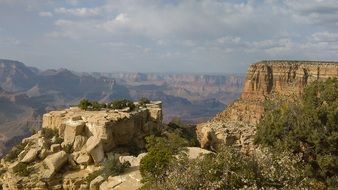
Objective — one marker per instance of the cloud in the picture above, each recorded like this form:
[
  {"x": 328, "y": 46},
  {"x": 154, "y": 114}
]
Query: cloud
[
  {"x": 79, "y": 12},
  {"x": 45, "y": 14},
  {"x": 122, "y": 18},
  {"x": 8, "y": 41},
  {"x": 203, "y": 35},
  {"x": 325, "y": 37},
  {"x": 323, "y": 12}
]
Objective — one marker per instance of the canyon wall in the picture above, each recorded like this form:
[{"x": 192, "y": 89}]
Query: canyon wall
[{"x": 264, "y": 80}]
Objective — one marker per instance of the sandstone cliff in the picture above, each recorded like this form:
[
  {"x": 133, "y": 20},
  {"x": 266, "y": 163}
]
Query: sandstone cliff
[
  {"x": 73, "y": 143},
  {"x": 264, "y": 80}
]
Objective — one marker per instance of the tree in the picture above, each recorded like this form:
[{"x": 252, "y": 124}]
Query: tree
[
  {"x": 84, "y": 104},
  {"x": 161, "y": 151}
]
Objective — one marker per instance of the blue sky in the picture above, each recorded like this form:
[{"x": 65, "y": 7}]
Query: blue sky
[{"x": 166, "y": 35}]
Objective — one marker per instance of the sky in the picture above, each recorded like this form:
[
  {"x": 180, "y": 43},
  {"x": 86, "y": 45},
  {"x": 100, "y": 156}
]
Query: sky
[{"x": 215, "y": 36}]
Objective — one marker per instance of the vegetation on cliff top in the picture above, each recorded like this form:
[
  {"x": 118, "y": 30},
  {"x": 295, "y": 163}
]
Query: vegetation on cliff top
[
  {"x": 309, "y": 128},
  {"x": 116, "y": 104}
]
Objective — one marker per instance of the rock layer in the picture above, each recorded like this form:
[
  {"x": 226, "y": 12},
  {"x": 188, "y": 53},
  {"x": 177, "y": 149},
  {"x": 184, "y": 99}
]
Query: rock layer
[{"x": 264, "y": 80}]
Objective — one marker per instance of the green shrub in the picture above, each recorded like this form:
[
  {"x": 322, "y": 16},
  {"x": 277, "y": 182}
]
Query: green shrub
[
  {"x": 112, "y": 167},
  {"x": 120, "y": 104},
  {"x": 161, "y": 151},
  {"x": 22, "y": 169},
  {"x": 96, "y": 106},
  {"x": 231, "y": 169},
  {"x": 85, "y": 104},
  {"x": 49, "y": 133}
]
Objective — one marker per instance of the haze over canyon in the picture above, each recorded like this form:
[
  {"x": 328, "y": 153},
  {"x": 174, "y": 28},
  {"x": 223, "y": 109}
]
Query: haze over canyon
[{"x": 27, "y": 93}]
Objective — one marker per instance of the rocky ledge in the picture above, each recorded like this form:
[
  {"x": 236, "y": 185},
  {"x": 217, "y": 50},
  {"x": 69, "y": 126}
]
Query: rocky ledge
[{"x": 264, "y": 80}]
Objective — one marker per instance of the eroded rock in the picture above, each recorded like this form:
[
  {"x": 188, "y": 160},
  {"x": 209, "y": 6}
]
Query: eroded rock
[
  {"x": 30, "y": 155},
  {"x": 54, "y": 162},
  {"x": 95, "y": 149}
]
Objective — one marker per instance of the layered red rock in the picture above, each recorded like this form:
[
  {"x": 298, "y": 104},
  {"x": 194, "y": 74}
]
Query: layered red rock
[{"x": 265, "y": 80}]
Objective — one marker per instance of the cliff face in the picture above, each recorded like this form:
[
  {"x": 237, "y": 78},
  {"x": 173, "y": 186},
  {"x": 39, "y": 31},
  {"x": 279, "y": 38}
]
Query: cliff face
[{"x": 265, "y": 80}]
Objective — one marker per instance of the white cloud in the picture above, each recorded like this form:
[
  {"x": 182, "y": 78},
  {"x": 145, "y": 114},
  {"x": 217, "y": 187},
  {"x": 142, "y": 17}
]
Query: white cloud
[
  {"x": 325, "y": 37},
  {"x": 122, "y": 18},
  {"x": 229, "y": 40},
  {"x": 45, "y": 14},
  {"x": 8, "y": 41},
  {"x": 323, "y": 12},
  {"x": 79, "y": 12},
  {"x": 63, "y": 23}
]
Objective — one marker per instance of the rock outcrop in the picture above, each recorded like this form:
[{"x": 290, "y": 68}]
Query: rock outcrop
[
  {"x": 264, "y": 80},
  {"x": 74, "y": 142},
  {"x": 112, "y": 128}
]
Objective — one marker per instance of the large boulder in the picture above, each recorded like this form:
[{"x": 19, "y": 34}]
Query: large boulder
[
  {"x": 54, "y": 162},
  {"x": 31, "y": 155},
  {"x": 95, "y": 149},
  {"x": 72, "y": 129},
  {"x": 83, "y": 159},
  {"x": 79, "y": 142}
]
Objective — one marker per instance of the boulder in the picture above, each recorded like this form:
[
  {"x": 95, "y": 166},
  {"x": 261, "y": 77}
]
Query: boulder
[
  {"x": 79, "y": 142},
  {"x": 95, "y": 149},
  {"x": 31, "y": 138},
  {"x": 30, "y": 156},
  {"x": 72, "y": 129},
  {"x": 83, "y": 159},
  {"x": 134, "y": 161},
  {"x": 206, "y": 136},
  {"x": 95, "y": 183},
  {"x": 54, "y": 162},
  {"x": 55, "y": 147}
]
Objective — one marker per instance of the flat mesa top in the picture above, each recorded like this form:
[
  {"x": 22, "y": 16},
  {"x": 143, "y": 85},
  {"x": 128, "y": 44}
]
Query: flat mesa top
[{"x": 297, "y": 62}]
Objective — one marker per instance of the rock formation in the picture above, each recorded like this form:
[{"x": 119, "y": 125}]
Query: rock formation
[
  {"x": 264, "y": 80},
  {"x": 74, "y": 142},
  {"x": 112, "y": 128}
]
